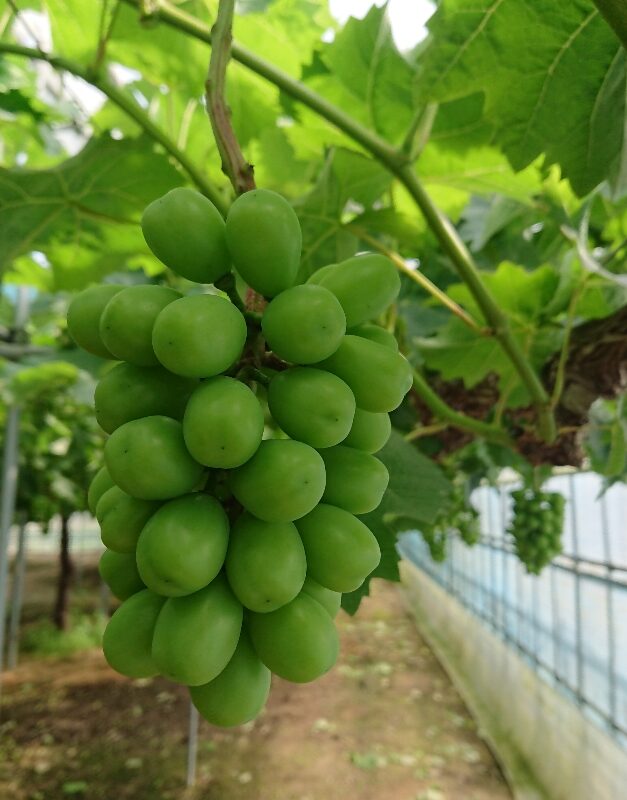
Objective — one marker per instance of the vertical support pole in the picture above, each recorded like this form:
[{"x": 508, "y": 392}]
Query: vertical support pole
[
  {"x": 8, "y": 488},
  {"x": 17, "y": 592},
  {"x": 609, "y": 606},
  {"x": 578, "y": 624},
  {"x": 192, "y": 745}
]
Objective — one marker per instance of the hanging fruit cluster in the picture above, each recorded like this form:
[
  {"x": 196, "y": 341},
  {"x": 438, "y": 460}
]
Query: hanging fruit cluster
[
  {"x": 537, "y": 527},
  {"x": 231, "y": 540},
  {"x": 457, "y": 516}
]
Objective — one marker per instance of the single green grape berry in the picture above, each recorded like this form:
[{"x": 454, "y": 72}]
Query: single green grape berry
[
  {"x": 99, "y": 485},
  {"x": 199, "y": 336},
  {"x": 223, "y": 423},
  {"x": 356, "y": 481},
  {"x": 122, "y": 518},
  {"x": 239, "y": 692},
  {"x": 312, "y": 405},
  {"x": 370, "y": 431},
  {"x": 283, "y": 481},
  {"x": 127, "y": 640},
  {"x": 378, "y": 377},
  {"x": 365, "y": 285},
  {"x": 376, "y": 334},
  {"x": 298, "y": 641},
  {"x": 304, "y": 324},
  {"x": 127, "y": 321},
  {"x": 129, "y": 392},
  {"x": 265, "y": 564},
  {"x": 119, "y": 572},
  {"x": 187, "y": 233},
  {"x": 331, "y": 601},
  {"x": 341, "y": 550},
  {"x": 147, "y": 458},
  {"x": 196, "y": 635},
  {"x": 264, "y": 239},
  {"x": 183, "y": 545},
  {"x": 83, "y": 318}
]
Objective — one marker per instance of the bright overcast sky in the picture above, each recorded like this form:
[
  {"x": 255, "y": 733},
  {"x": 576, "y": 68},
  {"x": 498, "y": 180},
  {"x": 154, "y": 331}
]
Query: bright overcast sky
[{"x": 407, "y": 17}]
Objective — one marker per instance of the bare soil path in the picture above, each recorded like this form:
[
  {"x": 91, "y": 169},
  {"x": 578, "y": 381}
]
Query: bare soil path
[{"x": 385, "y": 724}]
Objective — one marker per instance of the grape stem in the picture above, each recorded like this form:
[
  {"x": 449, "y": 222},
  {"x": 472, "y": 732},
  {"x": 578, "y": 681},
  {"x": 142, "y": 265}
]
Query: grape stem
[
  {"x": 234, "y": 165},
  {"x": 456, "y": 419}
]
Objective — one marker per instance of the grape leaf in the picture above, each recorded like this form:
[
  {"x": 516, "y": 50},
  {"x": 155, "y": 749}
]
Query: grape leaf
[
  {"x": 416, "y": 492},
  {"x": 365, "y": 60},
  {"x": 89, "y": 201},
  {"x": 537, "y": 95}
]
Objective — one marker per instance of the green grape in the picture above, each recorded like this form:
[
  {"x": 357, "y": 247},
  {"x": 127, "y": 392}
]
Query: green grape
[
  {"x": 320, "y": 274},
  {"x": 283, "y": 481},
  {"x": 127, "y": 640},
  {"x": 199, "y": 336},
  {"x": 121, "y": 518},
  {"x": 369, "y": 432},
  {"x": 147, "y": 459},
  {"x": 365, "y": 285},
  {"x": 239, "y": 692},
  {"x": 536, "y": 527},
  {"x": 101, "y": 482},
  {"x": 196, "y": 635},
  {"x": 183, "y": 545},
  {"x": 298, "y": 641},
  {"x": 341, "y": 550},
  {"x": 119, "y": 572},
  {"x": 187, "y": 233},
  {"x": 129, "y": 392},
  {"x": 331, "y": 601},
  {"x": 378, "y": 377},
  {"x": 265, "y": 564},
  {"x": 83, "y": 318},
  {"x": 376, "y": 334},
  {"x": 223, "y": 423},
  {"x": 311, "y": 405},
  {"x": 127, "y": 321},
  {"x": 356, "y": 481},
  {"x": 264, "y": 239},
  {"x": 304, "y": 324}
]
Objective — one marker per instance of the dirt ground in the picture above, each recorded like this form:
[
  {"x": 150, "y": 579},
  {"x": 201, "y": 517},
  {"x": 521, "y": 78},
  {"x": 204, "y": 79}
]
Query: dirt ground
[{"x": 385, "y": 724}]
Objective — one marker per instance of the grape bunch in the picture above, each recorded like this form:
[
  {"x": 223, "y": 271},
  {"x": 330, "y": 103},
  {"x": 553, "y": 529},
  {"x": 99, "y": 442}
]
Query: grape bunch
[
  {"x": 537, "y": 527},
  {"x": 229, "y": 505},
  {"x": 457, "y": 516}
]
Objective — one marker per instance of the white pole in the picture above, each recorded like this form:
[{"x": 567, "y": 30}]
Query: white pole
[
  {"x": 192, "y": 745},
  {"x": 9, "y": 478},
  {"x": 17, "y": 592}
]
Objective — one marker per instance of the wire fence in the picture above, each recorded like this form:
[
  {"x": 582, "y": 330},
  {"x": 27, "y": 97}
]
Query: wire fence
[{"x": 570, "y": 622}]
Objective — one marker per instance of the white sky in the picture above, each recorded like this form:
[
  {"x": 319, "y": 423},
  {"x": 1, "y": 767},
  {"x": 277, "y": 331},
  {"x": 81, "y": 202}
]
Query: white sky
[{"x": 407, "y": 17}]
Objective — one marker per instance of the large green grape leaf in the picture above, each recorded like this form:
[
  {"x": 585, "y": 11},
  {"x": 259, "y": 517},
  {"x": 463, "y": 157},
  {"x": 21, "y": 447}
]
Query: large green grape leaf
[
  {"x": 553, "y": 76},
  {"x": 364, "y": 74},
  {"x": 457, "y": 351},
  {"x": 415, "y": 494},
  {"x": 86, "y": 208}
]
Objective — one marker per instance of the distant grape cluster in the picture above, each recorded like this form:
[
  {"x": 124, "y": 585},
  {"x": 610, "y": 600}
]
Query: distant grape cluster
[
  {"x": 537, "y": 527},
  {"x": 457, "y": 516},
  {"x": 229, "y": 504}
]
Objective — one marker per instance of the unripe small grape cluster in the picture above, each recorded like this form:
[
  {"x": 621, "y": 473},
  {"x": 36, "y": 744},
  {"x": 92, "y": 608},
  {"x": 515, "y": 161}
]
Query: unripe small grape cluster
[
  {"x": 457, "y": 516},
  {"x": 537, "y": 527},
  {"x": 229, "y": 504}
]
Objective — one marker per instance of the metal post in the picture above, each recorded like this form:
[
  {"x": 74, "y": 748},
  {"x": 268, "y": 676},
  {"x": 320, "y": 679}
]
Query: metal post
[
  {"x": 17, "y": 592},
  {"x": 192, "y": 745},
  {"x": 578, "y": 611},
  {"x": 609, "y": 604},
  {"x": 9, "y": 478}
]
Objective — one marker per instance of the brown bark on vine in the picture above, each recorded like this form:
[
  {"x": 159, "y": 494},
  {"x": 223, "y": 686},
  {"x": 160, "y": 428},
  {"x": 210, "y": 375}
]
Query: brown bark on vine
[{"x": 66, "y": 573}]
